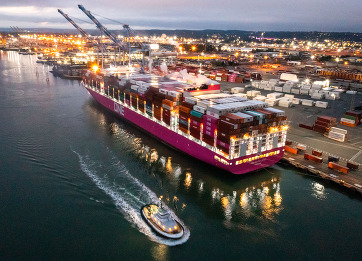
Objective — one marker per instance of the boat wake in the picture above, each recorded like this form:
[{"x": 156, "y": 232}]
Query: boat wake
[{"x": 128, "y": 194}]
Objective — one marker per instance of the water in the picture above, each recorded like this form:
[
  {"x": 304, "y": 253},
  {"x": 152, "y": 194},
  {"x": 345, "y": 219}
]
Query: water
[{"x": 73, "y": 178}]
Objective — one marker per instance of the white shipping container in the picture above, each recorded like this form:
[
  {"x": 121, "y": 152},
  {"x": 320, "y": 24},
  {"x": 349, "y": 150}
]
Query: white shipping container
[
  {"x": 348, "y": 121},
  {"x": 338, "y": 130},
  {"x": 287, "y": 89},
  {"x": 291, "y": 96},
  {"x": 269, "y": 88},
  {"x": 199, "y": 109},
  {"x": 278, "y": 112},
  {"x": 190, "y": 100},
  {"x": 259, "y": 98},
  {"x": 304, "y": 91},
  {"x": 247, "y": 117},
  {"x": 318, "y": 96},
  {"x": 278, "y": 89},
  {"x": 213, "y": 114},
  {"x": 337, "y": 136},
  {"x": 203, "y": 104},
  {"x": 237, "y": 90},
  {"x": 253, "y": 93},
  {"x": 163, "y": 91},
  {"x": 295, "y": 91},
  {"x": 321, "y": 104},
  {"x": 301, "y": 146},
  {"x": 243, "y": 95},
  {"x": 307, "y": 102},
  {"x": 296, "y": 101},
  {"x": 274, "y": 95},
  {"x": 174, "y": 94},
  {"x": 285, "y": 103}
]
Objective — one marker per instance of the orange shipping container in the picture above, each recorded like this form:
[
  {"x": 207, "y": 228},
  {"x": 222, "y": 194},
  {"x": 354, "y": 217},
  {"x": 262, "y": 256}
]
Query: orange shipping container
[
  {"x": 313, "y": 158},
  {"x": 338, "y": 167},
  {"x": 291, "y": 150},
  {"x": 184, "y": 109},
  {"x": 348, "y": 124}
]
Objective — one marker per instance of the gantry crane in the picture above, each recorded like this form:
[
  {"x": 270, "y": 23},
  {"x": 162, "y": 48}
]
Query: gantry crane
[
  {"x": 77, "y": 27},
  {"x": 104, "y": 30},
  {"x": 114, "y": 38},
  {"x": 96, "y": 43}
]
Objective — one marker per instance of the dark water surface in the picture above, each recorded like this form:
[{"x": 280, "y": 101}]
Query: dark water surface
[{"x": 73, "y": 178}]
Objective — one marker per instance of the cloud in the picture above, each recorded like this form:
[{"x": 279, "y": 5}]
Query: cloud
[{"x": 190, "y": 14}]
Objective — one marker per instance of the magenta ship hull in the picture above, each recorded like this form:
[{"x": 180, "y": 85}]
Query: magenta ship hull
[{"x": 183, "y": 143}]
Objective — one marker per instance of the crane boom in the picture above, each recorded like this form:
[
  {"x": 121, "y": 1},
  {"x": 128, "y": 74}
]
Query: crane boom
[
  {"x": 102, "y": 27},
  {"x": 76, "y": 26}
]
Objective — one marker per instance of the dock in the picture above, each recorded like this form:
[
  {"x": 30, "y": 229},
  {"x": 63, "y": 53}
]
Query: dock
[{"x": 351, "y": 181}]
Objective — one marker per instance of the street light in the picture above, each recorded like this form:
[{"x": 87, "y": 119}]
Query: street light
[{"x": 334, "y": 99}]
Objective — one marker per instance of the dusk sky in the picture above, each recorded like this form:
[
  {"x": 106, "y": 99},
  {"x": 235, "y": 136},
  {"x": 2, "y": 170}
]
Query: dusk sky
[{"x": 258, "y": 15}]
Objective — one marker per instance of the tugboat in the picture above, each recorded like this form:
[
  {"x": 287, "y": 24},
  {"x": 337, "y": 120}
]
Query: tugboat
[{"x": 161, "y": 221}]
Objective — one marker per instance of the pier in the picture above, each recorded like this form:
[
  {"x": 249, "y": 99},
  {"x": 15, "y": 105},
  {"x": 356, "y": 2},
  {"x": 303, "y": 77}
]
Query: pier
[{"x": 352, "y": 181}]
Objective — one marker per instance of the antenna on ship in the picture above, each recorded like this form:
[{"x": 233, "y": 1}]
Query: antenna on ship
[{"x": 160, "y": 198}]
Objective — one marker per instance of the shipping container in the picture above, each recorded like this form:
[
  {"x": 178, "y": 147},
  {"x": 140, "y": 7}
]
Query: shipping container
[
  {"x": 305, "y": 126},
  {"x": 333, "y": 159},
  {"x": 337, "y": 167},
  {"x": 352, "y": 165},
  {"x": 313, "y": 158},
  {"x": 317, "y": 153},
  {"x": 291, "y": 150}
]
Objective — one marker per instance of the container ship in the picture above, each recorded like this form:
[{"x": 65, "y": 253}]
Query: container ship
[{"x": 227, "y": 131}]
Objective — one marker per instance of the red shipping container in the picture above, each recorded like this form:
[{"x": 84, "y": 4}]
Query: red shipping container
[
  {"x": 196, "y": 128},
  {"x": 227, "y": 125},
  {"x": 187, "y": 105},
  {"x": 196, "y": 123},
  {"x": 352, "y": 165},
  {"x": 224, "y": 144},
  {"x": 183, "y": 118},
  {"x": 317, "y": 153},
  {"x": 327, "y": 119},
  {"x": 195, "y": 134},
  {"x": 208, "y": 139},
  {"x": 308, "y": 127},
  {"x": 232, "y": 118},
  {"x": 223, "y": 149},
  {"x": 192, "y": 117},
  {"x": 183, "y": 129}
]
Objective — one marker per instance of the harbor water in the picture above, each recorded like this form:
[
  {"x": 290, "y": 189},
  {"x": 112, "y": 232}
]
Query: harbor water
[{"x": 73, "y": 178}]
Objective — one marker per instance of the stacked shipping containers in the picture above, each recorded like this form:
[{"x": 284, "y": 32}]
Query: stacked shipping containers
[{"x": 231, "y": 123}]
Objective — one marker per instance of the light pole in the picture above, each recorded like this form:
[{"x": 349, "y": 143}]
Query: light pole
[{"x": 334, "y": 99}]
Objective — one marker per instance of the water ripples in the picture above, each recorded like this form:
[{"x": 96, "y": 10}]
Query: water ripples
[{"x": 127, "y": 192}]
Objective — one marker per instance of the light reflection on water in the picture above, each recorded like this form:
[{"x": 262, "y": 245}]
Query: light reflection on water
[
  {"x": 262, "y": 198},
  {"x": 234, "y": 203},
  {"x": 318, "y": 191},
  {"x": 160, "y": 252}
]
